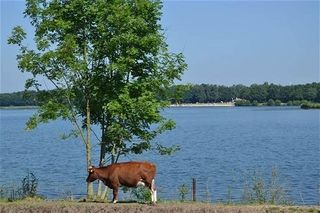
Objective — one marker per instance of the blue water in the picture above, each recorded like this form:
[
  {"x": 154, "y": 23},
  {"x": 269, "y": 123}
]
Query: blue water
[{"x": 220, "y": 147}]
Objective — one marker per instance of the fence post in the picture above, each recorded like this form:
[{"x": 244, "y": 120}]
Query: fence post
[{"x": 194, "y": 185}]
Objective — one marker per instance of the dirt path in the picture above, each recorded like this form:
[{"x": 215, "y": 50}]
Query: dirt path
[{"x": 70, "y": 207}]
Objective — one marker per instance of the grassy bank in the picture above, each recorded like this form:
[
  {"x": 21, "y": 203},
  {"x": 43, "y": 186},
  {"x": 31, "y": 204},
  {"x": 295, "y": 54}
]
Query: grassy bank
[{"x": 79, "y": 207}]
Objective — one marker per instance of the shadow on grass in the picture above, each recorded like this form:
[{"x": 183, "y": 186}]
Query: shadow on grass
[{"x": 119, "y": 202}]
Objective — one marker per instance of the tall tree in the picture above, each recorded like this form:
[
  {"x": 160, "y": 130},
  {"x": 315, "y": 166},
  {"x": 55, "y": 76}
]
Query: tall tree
[
  {"x": 134, "y": 70},
  {"x": 108, "y": 61}
]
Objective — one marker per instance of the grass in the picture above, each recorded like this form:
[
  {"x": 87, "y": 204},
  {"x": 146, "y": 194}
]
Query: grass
[{"x": 163, "y": 206}]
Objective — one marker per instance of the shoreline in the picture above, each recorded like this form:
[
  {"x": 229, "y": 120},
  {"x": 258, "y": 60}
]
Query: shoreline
[
  {"x": 19, "y": 107},
  {"x": 227, "y": 104}
]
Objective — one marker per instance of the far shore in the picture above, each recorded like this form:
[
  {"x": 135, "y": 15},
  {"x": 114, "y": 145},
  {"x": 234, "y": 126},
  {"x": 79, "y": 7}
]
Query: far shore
[
  {"x": 19, "y": 107},
  {"x": 226, "y": 104}
]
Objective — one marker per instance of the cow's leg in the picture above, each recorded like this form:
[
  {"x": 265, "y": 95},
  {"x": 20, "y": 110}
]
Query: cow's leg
[
  {"x": 152, "y": 186},
  {"x": 152, "y": 196},
  {"x": 149, "y": 185},
  {"x": 115, "y": 194},
  {"x": 153, "y": 191}
]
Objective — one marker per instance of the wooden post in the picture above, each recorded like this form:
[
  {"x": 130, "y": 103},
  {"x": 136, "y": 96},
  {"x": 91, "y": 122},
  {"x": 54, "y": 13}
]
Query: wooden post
[{"x": 194, "y": 187}]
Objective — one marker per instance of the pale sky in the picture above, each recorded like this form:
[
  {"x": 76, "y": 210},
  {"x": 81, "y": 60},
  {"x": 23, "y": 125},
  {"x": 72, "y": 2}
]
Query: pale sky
[{"x": 224, "y": 42}]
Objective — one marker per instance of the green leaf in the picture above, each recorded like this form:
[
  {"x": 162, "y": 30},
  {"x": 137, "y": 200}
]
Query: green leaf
[{"x": 17, "y": 36}]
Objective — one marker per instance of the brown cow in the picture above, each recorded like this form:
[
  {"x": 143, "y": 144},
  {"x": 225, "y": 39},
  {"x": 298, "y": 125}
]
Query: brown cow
[{"x": 130, "y": 174}]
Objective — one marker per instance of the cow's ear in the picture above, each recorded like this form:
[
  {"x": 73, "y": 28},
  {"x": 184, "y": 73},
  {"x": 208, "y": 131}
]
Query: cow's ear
[{"x": 91, "y": 169}]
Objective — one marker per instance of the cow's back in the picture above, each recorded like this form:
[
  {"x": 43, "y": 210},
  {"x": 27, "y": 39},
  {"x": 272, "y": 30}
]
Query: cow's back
[{"x": 129, "y": 173}]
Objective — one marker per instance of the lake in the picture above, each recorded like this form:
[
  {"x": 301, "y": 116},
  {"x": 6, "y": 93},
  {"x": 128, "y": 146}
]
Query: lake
[{"x": 222, "y": 147}]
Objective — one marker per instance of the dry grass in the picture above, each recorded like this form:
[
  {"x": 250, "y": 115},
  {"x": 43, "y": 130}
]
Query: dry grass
[{"x": 81, "y": 207}]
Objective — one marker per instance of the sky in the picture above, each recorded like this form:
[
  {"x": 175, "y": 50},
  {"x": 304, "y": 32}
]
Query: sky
[{"x": 225, "y": 42}]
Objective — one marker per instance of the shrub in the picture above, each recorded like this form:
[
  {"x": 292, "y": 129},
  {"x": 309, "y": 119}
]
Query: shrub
[
  {"x": 277, "y": 103},
  {"x": 141, "y": 194},
  {"x": 29, "y": 185},
  {"x": 27, "y": 189},
  {"x": 271, "y": 102},
  {"x": 258, "y": 191},
  {"x": 310, "y": 105},
  {"x": 242, "y": 103},
  {"x": 255, "y": 103},
  {"x": 183, "y": 191}
]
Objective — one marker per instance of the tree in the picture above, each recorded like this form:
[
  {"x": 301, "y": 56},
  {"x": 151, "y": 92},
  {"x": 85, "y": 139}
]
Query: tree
[
  {"x": 309, "y": 92},
  {"x": 274, "y": 92},
  {"x": 258, "y": 92},
  {"x": 109, "y": 62},
  {"x": 225, "y": 93},
  {"x": 277, "y": 103},
  {"x": 213, "y": 93},
  {"x": 270, "y": 102},
  {"x": 177, "y": 92}
]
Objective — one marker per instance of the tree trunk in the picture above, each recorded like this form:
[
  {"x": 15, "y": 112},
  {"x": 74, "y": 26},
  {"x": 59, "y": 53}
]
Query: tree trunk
[
  {"x": 88, "y": 150},
  {"x": 101, "y": 195},
  {"x": 113, "y": 154}
]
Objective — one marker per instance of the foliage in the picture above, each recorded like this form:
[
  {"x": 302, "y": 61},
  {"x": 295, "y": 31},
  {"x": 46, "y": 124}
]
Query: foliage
[
  {"x": 10, "y": 192},
  {"x": 61, "y": 56},
  {"x": 213, "y": 93},
  {"x": 243, "y": 103},
  {"x": 176, "y": 92},
  {"x": 27, "y": 189},
  {"x": 270, "y": 102},
  {"x": 141, "y": 194},
  {"x": 205, "y": 93},
  {"x": 29, "y": 185},
  {"x": 25, "y": 98},
  {"x": 163, "y": 150},
  {"x": 277, "y": 103},
  {"x": 183, "y": 191},
  {"x": 255, "y": 103},
  {"x": 309, "y": 105},
  {"x": 109, "y": 63},
  {"x": 258, "y": 190}
]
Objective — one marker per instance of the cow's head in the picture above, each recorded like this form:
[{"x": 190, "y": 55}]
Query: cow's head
[{"x": 92, "y": 174}]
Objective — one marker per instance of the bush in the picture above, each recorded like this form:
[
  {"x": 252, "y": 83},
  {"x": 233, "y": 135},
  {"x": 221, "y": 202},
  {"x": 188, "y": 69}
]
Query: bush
[
  {"x": 277, "y": 103},
  {"x": 310, "y": 105},
  {"x": 27, "y": 189},
  {"x": 255, "y": 103},
  {"x": 242, "y": 103},
  {"x": 29, "y": 185},
  {"x": 183, "y": 191},
  {"x": 271, "y": 102},
  {"x": 141, "y": 194},
  {"x": 258, "y": 191},
  {"x": 296, "y": 103},
  {"x": 10, "y": 192}
]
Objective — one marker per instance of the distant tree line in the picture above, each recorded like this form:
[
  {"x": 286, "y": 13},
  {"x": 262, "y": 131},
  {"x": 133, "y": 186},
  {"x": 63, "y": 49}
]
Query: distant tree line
[
  {"x": 271, "y": 94},
  {"x": 256, "y": 93},
  {"x": 23, "y": 98}
]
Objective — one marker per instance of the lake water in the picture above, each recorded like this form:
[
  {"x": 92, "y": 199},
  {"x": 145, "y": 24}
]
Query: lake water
[{"x": 220, "y": 147}]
